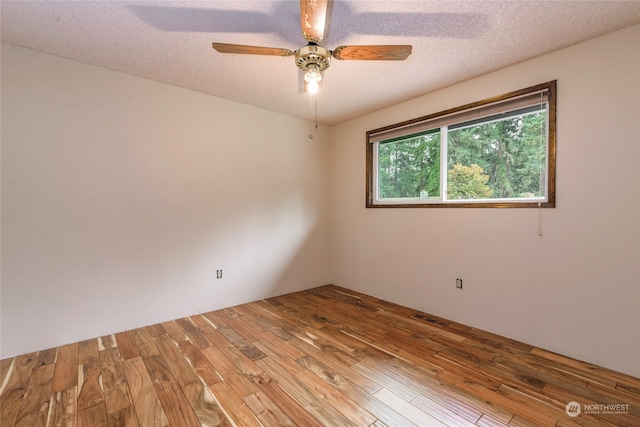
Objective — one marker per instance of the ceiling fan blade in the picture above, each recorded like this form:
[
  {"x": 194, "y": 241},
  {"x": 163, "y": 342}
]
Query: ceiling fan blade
[
  {"x": 251, "y": 50},
  {"x": 368, "y": 53},
  {"x": 313, "y": 19}
]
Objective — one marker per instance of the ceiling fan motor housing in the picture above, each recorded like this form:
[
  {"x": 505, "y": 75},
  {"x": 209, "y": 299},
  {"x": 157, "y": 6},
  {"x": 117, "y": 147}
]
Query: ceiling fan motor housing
[{"x": 313, "y": 54}]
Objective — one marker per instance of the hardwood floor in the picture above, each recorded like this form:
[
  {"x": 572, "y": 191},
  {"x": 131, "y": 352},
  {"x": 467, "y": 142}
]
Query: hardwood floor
[{"x": 323, "y": 357}]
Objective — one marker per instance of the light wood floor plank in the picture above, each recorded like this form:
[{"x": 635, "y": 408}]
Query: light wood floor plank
[
  {"x": 205, "y": 405},
  {"x": 63, "y": 408},
  {"x": 14, "y": 387},
  {"x": 267, "y": 411},
  {"x": 461, "y": 401},
  {"x": 125, "y": 417},
  {"x": 364, "y": 399},
  {"x": 175, "y": 332},
  {"x": 117, "y": 398},
  {"x": 193, "y": 333},
  {"x": 5, "y": 365},
  {"x": 145, "y": 399},
  {"x": 176, "y": 407},
  {"x": 288, "y": 404},
  {"x": 326, "y": 356},
  {"x": 127, "y": 345},
  {"x": 440, "y": 412},
  {"x": 202, "y": 366},
  {"x": 304, "y": 394},
  {"x": 34, "y": 410},
  {"x": 145, "y": 344},
  {"x": 93, "y": 416},
  {"x": 46, "y": 357},
  {"x": 156, "y": 330},
  {"x": 281, "y": 358},
  {"x": 335, "y": 398},
  {"x": 236, "y": 409},
  {"x": 231, "y": 375},
  {"x": 107, "y": 341},
  {"x": 413, "y": 413},
  {"x": 179, "y": 366},
  {"x": 90, "y": 392},
  {"x": 429, "y": 388},
  {"x": 353, "y": 375},
  {"x": 371, "y": 369},
  {"x": 66, "y": 368},
  {"x": 487, "y": 420}
]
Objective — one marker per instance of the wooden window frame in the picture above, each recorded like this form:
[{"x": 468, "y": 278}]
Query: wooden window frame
[{"x": 484, "y": 203}]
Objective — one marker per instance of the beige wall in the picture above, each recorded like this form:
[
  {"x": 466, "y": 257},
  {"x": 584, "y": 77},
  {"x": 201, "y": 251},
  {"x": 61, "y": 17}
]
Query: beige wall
[
  {"x": 576, "y": 289},
  {"x": 121, "y": 197}
]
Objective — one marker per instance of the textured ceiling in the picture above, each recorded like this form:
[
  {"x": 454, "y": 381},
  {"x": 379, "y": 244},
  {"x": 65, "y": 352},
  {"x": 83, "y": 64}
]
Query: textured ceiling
[{"x": 170, "y": 42}]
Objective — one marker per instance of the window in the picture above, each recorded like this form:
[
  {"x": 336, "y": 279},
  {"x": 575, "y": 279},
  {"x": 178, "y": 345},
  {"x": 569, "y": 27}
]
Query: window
[{"x": 499, "y": 152}]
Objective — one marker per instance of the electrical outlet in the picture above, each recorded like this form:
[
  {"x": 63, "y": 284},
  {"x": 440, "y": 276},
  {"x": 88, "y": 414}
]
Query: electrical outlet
[
  {"x": 459, "y": 283},
  {"x": 218, "y": 274}
]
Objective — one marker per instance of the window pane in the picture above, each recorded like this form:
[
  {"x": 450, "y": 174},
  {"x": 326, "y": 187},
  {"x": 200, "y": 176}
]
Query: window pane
[
  {"x": 499, "y": 153},
  {"x": 501, "y": 159},
  {"x": 410, "y": 167}
]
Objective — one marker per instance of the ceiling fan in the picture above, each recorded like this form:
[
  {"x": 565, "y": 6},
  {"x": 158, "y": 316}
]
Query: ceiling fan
[{"x": 313, "y": 58}]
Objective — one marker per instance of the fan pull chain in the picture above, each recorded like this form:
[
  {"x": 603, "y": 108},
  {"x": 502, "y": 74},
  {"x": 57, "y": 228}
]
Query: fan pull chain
[
  {"x": 311, "y": 98},
  {"x": 540, "y": 219}
]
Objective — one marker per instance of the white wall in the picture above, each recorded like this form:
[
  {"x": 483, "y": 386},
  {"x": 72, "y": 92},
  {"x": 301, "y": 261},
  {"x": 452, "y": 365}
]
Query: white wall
[
  {"x": 576, "y": 289},
  {"x": 121, "y": 197}
]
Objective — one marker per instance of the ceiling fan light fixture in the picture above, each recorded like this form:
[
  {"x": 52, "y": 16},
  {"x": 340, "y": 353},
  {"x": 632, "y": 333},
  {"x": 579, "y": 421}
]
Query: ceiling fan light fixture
[
  {"x": 312, "y": 87},
  {"x": 313, "y": 74}
]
